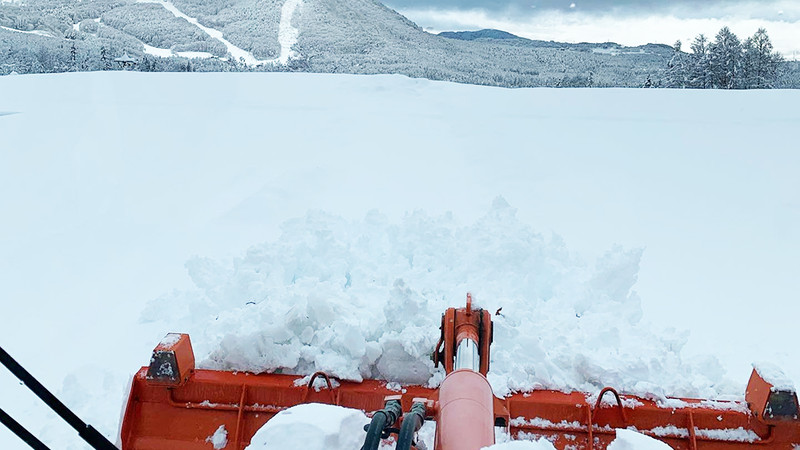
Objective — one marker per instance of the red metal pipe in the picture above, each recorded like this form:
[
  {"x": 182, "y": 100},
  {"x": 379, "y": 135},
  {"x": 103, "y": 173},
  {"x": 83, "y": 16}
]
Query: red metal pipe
[{"x": 465, "y": 412}]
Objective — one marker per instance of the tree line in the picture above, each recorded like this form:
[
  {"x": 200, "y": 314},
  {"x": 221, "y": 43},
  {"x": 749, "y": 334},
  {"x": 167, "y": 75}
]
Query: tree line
[{"x": 725, "y": 63}]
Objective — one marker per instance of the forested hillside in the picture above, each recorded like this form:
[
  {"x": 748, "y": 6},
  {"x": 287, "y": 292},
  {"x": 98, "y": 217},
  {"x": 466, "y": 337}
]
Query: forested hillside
[
  {"x": 327, "y": 36},
  {"x": 355, "y": 36}
]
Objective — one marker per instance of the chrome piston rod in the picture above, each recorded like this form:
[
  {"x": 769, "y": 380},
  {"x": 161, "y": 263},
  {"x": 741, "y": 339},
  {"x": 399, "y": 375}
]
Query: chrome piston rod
[{"x": 467, "y": 356}]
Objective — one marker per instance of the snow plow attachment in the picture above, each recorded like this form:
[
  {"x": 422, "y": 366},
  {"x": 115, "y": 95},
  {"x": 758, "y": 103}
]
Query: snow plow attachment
[{"x": 173, "y": 405}]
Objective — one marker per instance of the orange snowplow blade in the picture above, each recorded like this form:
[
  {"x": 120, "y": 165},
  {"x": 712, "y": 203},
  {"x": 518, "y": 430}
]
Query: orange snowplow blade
[{"x": 177, "y": 407}]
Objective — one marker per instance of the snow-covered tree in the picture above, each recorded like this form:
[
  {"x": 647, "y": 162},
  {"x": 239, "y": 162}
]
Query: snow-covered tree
[
  {"x": 699, "y": 65},
  {"x": 725, "y": 60},
  {"x": 677, "y": 75},
  {"x": 760, "y": 62}
]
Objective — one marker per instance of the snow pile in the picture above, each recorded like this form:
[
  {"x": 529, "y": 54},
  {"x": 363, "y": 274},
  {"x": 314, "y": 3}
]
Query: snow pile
[
  {"x": 631, "y": 440},
  {"x": 541, "y": 444},
  {"x": 363, "y": 299},
  {"x": 312, "y": 426}
]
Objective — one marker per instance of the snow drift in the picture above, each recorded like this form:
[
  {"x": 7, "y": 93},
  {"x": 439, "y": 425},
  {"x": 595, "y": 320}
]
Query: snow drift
[{"x": 363, "y": 299}]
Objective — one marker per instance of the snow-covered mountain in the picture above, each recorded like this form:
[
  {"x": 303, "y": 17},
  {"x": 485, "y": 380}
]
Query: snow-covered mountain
[{"x": 353, "y": 36}]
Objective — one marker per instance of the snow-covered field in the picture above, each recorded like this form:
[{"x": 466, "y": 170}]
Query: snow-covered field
[{"x": 644, "y": 239}]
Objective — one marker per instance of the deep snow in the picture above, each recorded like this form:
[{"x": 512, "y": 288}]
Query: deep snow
[{"x": 111, "y": 182}]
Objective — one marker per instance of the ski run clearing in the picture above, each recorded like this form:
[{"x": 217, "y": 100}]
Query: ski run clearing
[
  {"x": 287, "y": 37},
  {"x": 641, "y": 239}
]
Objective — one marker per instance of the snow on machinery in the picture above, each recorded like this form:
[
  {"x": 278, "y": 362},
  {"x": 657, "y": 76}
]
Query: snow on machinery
[{"x": 173, "y": 405}]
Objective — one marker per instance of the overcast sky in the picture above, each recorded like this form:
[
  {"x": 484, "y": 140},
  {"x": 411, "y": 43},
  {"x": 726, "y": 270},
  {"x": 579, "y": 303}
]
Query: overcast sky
[{"x": 624, "y": 21}]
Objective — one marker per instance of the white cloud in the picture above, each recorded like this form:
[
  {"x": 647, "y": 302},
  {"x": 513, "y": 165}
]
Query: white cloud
[{"x": 627, "y": 30}]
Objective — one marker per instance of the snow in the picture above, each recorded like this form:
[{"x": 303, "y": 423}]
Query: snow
[
  {"x": 155, "y": 51},
  {"x": 773, "y": 375},
  {"x": 334, "y": 217},
  {"x": 724, "y": 434},
  {"x": 219, "y": 439},
  {"x": 541, "y": 444},
  {"x": 606, "y": 51},
  {"x": 539, "y": 422},
  {"x": 728, "y": 434},
  {"x": 237, "y": 53},
  {"x": 287, "y": 36},
  {"x": 166, "y": 53},
  {"x": 631, "y": 440},
  {"x": 312, "y": 426},
  {"x": 170, "y": 340},
  {"x": 36, "y": 32},
  {"x": 195, "y": 55}
]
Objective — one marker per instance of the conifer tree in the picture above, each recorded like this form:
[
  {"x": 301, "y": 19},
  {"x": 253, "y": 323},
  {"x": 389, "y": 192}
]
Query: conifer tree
[
  {"x": 725, "y": 60},
  {"x": 677, "y": 68},
  {"x": 760, "y": 62},
  {"x": 698, "y": 72},
  {"x": 73, "y": 56}
]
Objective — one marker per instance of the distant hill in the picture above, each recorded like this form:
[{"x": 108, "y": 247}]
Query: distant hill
[
  {"x": 605, "y": 47},
  {"x": 480, "y": 34}
]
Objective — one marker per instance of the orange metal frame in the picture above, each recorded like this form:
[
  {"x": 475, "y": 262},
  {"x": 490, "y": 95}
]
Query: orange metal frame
[{"x": 183, "y": 411}]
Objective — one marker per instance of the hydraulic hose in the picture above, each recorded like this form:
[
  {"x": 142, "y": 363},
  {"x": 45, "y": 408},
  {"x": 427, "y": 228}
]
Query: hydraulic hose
[
  {"x": 412, "y": 422},
  {"x": 380, "y": 421}
]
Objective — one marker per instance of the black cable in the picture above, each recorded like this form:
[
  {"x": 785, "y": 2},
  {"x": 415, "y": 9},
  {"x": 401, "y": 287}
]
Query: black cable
[
  {"x": 412, "y": 422},
  {"x": 21, "y": 432},
  {"x": 380, "y": 421},
  {"x": 87, "y": 432}
]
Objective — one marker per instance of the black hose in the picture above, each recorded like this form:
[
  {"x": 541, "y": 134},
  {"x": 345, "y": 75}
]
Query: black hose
[
  {"x": 89, "y": 434},
  {"x": 380, "y": 421},
  {"x": 412, "y": 422},
  {"x": 21, "y": 432}
]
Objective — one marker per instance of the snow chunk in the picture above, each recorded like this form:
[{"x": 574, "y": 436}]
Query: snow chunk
[
  {"x": 312, "y": 426},
  {"x": 631, "y": 440},
  {"x": 219, "y": 439}
]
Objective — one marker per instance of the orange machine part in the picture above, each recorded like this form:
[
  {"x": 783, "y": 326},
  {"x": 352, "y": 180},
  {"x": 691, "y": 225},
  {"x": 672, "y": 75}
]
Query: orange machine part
[
  {"x": 181, "y": 418},
  {"x": 181, "y": 413},
  {"x": 465, "y": 412},
  {"x": 770, "y": 404},
  {"x": 463, "y": 323},
  {"x": 172, "y": 361}
]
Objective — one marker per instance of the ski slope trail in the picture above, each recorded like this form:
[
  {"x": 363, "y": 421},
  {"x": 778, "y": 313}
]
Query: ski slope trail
[
  {"x": 36, "y": 32},
  {"x": 287, "y": 35}
]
